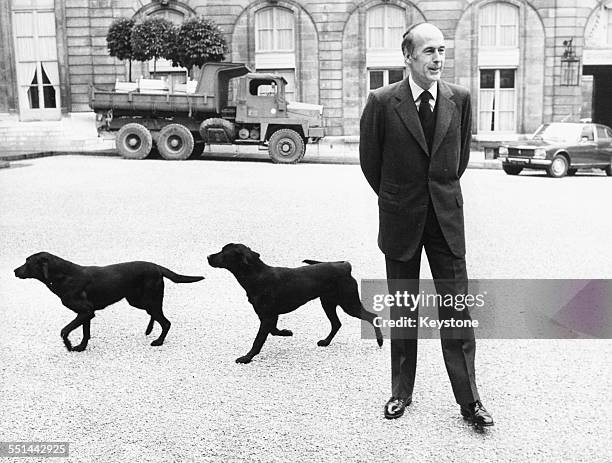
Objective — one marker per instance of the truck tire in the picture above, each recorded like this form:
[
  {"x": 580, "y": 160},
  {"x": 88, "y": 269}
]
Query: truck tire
[
  {"x": 175, "y": 142},
  {"x": 286, "y": 146},
  {"x": 217, "y": 123},
  {"x": 134, "y": 141}
]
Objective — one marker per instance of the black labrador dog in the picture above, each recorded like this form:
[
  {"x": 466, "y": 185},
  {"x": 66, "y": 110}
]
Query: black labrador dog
[
  {"x": 87, "y": 289},
  {"x": 277, "y": 290}
]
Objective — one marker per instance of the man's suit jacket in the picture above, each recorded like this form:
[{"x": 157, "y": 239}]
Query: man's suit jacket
[{"x": 397, "y": 163}]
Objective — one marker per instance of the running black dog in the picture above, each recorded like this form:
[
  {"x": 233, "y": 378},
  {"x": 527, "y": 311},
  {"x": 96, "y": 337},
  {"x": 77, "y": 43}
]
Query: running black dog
[
  {"x": 87, "y": 289},
  {"x": 277, "y": 290}
]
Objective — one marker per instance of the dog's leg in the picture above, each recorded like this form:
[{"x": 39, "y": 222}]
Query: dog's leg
[
  {"x": 149, "y": 327},
  {"x": 80, "y": 319},
  {"x": 86, "y": 336},
  {"x": 265, "y": 327},
  {"x": 355, "y": 309},
  {"x": 329, "y": 305},
  {"x": 276, "y": 332},
  {"x": 165, "y": 326}
]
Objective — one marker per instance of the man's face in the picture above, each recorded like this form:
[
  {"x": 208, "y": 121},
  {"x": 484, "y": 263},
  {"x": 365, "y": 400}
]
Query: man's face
[{"x": 426, "y": 61}]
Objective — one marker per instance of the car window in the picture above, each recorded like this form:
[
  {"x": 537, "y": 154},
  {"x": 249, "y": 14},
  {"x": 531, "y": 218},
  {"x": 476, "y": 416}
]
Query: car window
[
  {"x": 609, "y": 132},
  {"x": 587, "y": 132},
  {"x": 602, "y": 134}
]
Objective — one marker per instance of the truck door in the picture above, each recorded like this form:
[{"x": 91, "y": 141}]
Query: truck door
[{"x": 264, "y": 98}]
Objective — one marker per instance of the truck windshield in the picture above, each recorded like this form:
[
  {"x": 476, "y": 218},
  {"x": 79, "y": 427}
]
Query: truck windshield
[{"x": 262, "y": 87}]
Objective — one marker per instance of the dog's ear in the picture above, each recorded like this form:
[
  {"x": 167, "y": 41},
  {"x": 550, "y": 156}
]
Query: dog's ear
[{"x": 250, "y": 258}]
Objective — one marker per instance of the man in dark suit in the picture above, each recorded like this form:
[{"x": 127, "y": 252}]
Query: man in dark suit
[{"x": 414, "y": 146}]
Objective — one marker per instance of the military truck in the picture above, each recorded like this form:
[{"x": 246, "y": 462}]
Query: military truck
[{"x": 230, "y": 105}]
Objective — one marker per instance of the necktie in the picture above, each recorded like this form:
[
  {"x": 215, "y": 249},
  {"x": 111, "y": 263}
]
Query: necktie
[{"x": 426, "y": 116}]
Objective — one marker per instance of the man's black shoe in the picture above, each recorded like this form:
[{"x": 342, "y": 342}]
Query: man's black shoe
[
  {"x": 395, "y": 406},
  {"x": 476, "y": 414}
]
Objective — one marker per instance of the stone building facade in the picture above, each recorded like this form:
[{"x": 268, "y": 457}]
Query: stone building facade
[{"x": 525, "y": 62}]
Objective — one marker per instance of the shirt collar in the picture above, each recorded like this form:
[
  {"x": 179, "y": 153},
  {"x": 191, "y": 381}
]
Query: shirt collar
[{"x": 417, "y": 90}]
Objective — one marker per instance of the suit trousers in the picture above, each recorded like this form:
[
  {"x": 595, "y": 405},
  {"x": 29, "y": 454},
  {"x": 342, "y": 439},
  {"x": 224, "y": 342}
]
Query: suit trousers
[{"x": 458, "y": 347}]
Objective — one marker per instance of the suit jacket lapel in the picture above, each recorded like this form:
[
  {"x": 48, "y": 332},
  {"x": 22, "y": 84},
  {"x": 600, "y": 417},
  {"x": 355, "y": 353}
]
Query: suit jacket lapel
[
  {"x": 406, "y": 109},
  {"x": 445, "y": 109}
]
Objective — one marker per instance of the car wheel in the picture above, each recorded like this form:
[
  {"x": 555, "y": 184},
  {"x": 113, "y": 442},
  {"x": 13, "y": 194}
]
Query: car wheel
[
  {"x": 286, "y": 147},
  {"x": 512, "y": 170},
  {"x": 559, "y": 167},
  {"x": 608, "y": 170},
  {"x": 134, "y": 141},
  {"x": 175, "y": 142},
  {"x": 571, "y": 172}
]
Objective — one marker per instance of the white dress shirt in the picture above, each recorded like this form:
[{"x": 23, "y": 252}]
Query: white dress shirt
[{"x": 416, "y": 93}]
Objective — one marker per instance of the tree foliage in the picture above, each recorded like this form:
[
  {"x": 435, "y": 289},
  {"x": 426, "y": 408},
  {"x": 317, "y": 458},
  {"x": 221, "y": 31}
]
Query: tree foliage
[
  {"x": 151, "y": 39},
  {"x": 197, "y": 40},
  {"x": 119, "y": 38}
]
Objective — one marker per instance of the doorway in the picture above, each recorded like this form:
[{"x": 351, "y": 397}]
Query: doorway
[{"x": 36, "y": 59}]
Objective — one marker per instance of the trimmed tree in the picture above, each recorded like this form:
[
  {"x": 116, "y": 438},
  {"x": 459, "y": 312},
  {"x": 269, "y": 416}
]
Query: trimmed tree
[
  {"x": 197, "y": 40},
  {"x": 152, "y": 39},
  {"x": 119, "y": 42}
]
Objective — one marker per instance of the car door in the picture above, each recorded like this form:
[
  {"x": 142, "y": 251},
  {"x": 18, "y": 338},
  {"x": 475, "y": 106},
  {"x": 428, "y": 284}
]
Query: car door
[
  {"x": 583, "y": 153},
  {"x": 604, "y": 145}
]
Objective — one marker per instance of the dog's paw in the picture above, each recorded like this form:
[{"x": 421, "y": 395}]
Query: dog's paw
[
  {"x": 157, "y": 342},
  {"x": 244, "y": 359},
  {"x": 323, "y": 343},
  {"x": 284, "y": 333},
  {"x": 67, "y": 343}
]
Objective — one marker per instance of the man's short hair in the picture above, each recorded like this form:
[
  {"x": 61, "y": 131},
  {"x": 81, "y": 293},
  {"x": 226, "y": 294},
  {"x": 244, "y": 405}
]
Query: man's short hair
[{"x": 408, "y": 39}]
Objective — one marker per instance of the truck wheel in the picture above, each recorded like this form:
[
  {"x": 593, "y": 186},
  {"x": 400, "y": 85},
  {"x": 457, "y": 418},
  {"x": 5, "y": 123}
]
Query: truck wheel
[
  {"x": 134, "y": 141},
  {"x": 286, "y": 146},
  {"x": 175, "y": 142}
]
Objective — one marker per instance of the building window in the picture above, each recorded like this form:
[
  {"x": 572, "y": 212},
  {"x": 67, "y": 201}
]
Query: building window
[
  {"x": 609, "y": 24},
  {"x": 386, "y": 25},
  {"x": 163, "y": 68},
  {"x": 380, "y": 77},
  {"x": 499, "y": 25},
  {"x": 497, "y": 100},
  {"x": 274, "y": 45},
  {"x": 274, "y": 30}
]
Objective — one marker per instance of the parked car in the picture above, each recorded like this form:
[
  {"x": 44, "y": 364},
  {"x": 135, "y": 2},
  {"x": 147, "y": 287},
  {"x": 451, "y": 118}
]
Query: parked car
[{"x": 561, "y": 148}]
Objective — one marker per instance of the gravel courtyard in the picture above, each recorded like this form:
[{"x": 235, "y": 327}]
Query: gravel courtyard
[{"x": 188, "y": 401}]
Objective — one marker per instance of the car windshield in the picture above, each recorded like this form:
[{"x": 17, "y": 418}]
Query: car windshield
[{"x": 559, "y": 132}]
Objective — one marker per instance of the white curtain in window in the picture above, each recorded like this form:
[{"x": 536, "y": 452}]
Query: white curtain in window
[
  {"x": 498, "y": 23},
  {"x": 376, "y": 27},
  {"x": 507, "y": 17},
  {"x": 609, "y": 24},
  {"x": 47, "y": 46},
  {"x": 396, "y": 23},
  {"x": 386, "y": 25},
  {"x": 487, "y": 100},
  {"x": 506, "y": 109},
  {"x": 274, "y": 29}
]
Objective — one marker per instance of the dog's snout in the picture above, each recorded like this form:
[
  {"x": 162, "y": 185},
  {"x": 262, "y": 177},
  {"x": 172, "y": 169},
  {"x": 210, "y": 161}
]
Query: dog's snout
[{"x": 19, "y": 272}]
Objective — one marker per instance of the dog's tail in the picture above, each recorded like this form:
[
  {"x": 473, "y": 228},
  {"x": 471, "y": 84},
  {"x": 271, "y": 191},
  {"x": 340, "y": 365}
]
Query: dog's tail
[
  {"x": 311, "y": 262},
  {"x": 175, "y": 277}
]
